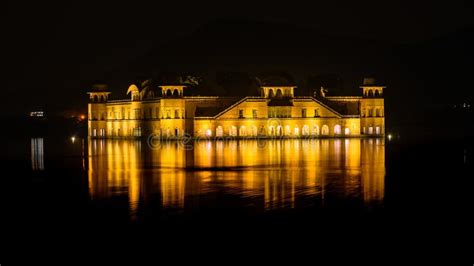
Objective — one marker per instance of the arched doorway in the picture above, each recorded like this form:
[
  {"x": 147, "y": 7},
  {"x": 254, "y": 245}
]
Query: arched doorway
[
  {"x": 305, "y": 131},
  {"x": 297, "y": 131},
  {"x": 219, "y": 131},
  {"x": 279, "y": 131},
  {"x": 233, "y": 131},
  {"x": 371, "y": 130},
  {"x": 254, "y": 131},
  {"x": 243, "y": 131},
  {"x": 315, "y": 130},
  {"x": 271, "y": 131},
  {"x": 325, "y": 130},
  {"x": 347, "y": 131},
  {"x": 337, "y": 130},
  {"x": 287, "y": 130},
  {"x": 378, "y": 131}
]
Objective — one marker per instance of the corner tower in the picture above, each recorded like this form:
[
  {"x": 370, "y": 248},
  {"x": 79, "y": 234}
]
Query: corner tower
[
  {"x": 97, "y": 110},
  {"x": 372, "y": 110},
  {"x": 172, "y": 111}
]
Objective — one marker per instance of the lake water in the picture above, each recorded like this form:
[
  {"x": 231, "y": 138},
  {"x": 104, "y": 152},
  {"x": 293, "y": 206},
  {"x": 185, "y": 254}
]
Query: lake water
[
  {"x": 255, "y": 175},
  {"x": 358, "y": 185}
]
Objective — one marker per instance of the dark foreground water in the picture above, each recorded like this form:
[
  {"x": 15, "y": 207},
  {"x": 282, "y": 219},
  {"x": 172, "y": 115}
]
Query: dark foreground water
[{"x": 250, "y": 190}]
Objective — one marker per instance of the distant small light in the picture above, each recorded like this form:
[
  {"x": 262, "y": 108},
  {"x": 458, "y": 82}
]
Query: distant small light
[
  {"x": 82, "y": 117},
  {"x": 73, "y": 139},
  {"x": 37, "y": 114},
  {"x": 389, "y": 136}
]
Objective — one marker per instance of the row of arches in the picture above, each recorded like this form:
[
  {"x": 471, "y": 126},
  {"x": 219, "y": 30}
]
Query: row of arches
[
  {"x": 372, "y": 112},
  {"x": 135, "y": 132},
  {"x": 277, "y": 92},
  {"x": 373, "y": 93},
  {"x": 98, "y": 98},
  {"x": 372, "y": 130},
  {"x": 253, "y": 131},
  {"x": 172, "y": 93}
]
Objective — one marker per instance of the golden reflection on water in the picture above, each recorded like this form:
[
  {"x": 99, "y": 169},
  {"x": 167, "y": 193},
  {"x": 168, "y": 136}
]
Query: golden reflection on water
[{"x": 267, "y": 175}]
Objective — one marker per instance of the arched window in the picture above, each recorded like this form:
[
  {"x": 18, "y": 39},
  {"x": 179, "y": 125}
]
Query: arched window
[
  {"x": 279, "y": 94},
  {"x": 270, "y": 93},
  {"x": 376, "y": 93},
  {"x": 347, "y": 131},
  {"x": 325, "y": 130},
  {"x": 316, "y": 112},
  {"x": 371, "y": 93},
  {"x": 287, "y": 130},
  {"x": 168, "y": 92},
  {"x": 175, "y": 93},
  {"x": 337, "y": 130},
  {"x": 369, "y": 113},
  {"x": 208, "y": 133},
  {"x": 219, "y": 131}
]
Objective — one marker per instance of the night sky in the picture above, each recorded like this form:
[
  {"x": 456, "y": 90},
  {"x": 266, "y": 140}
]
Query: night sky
[{"x": 54, "y": 52}]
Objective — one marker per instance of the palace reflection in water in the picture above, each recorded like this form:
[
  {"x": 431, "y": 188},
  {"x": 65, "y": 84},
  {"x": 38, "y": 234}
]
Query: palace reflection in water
[{"x": 260, "y": 175}]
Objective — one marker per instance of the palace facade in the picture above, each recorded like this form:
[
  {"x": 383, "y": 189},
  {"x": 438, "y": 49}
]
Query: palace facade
[{"x": 167, "y": 112}]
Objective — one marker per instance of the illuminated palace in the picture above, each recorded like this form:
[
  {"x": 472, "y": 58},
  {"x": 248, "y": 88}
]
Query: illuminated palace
[{"x": 167, "y": 112}]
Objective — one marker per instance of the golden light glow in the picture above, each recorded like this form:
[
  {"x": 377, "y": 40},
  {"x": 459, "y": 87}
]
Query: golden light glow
[
  {"x": 174, "y": 115},
  {"x": 268, "y": 174}
]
